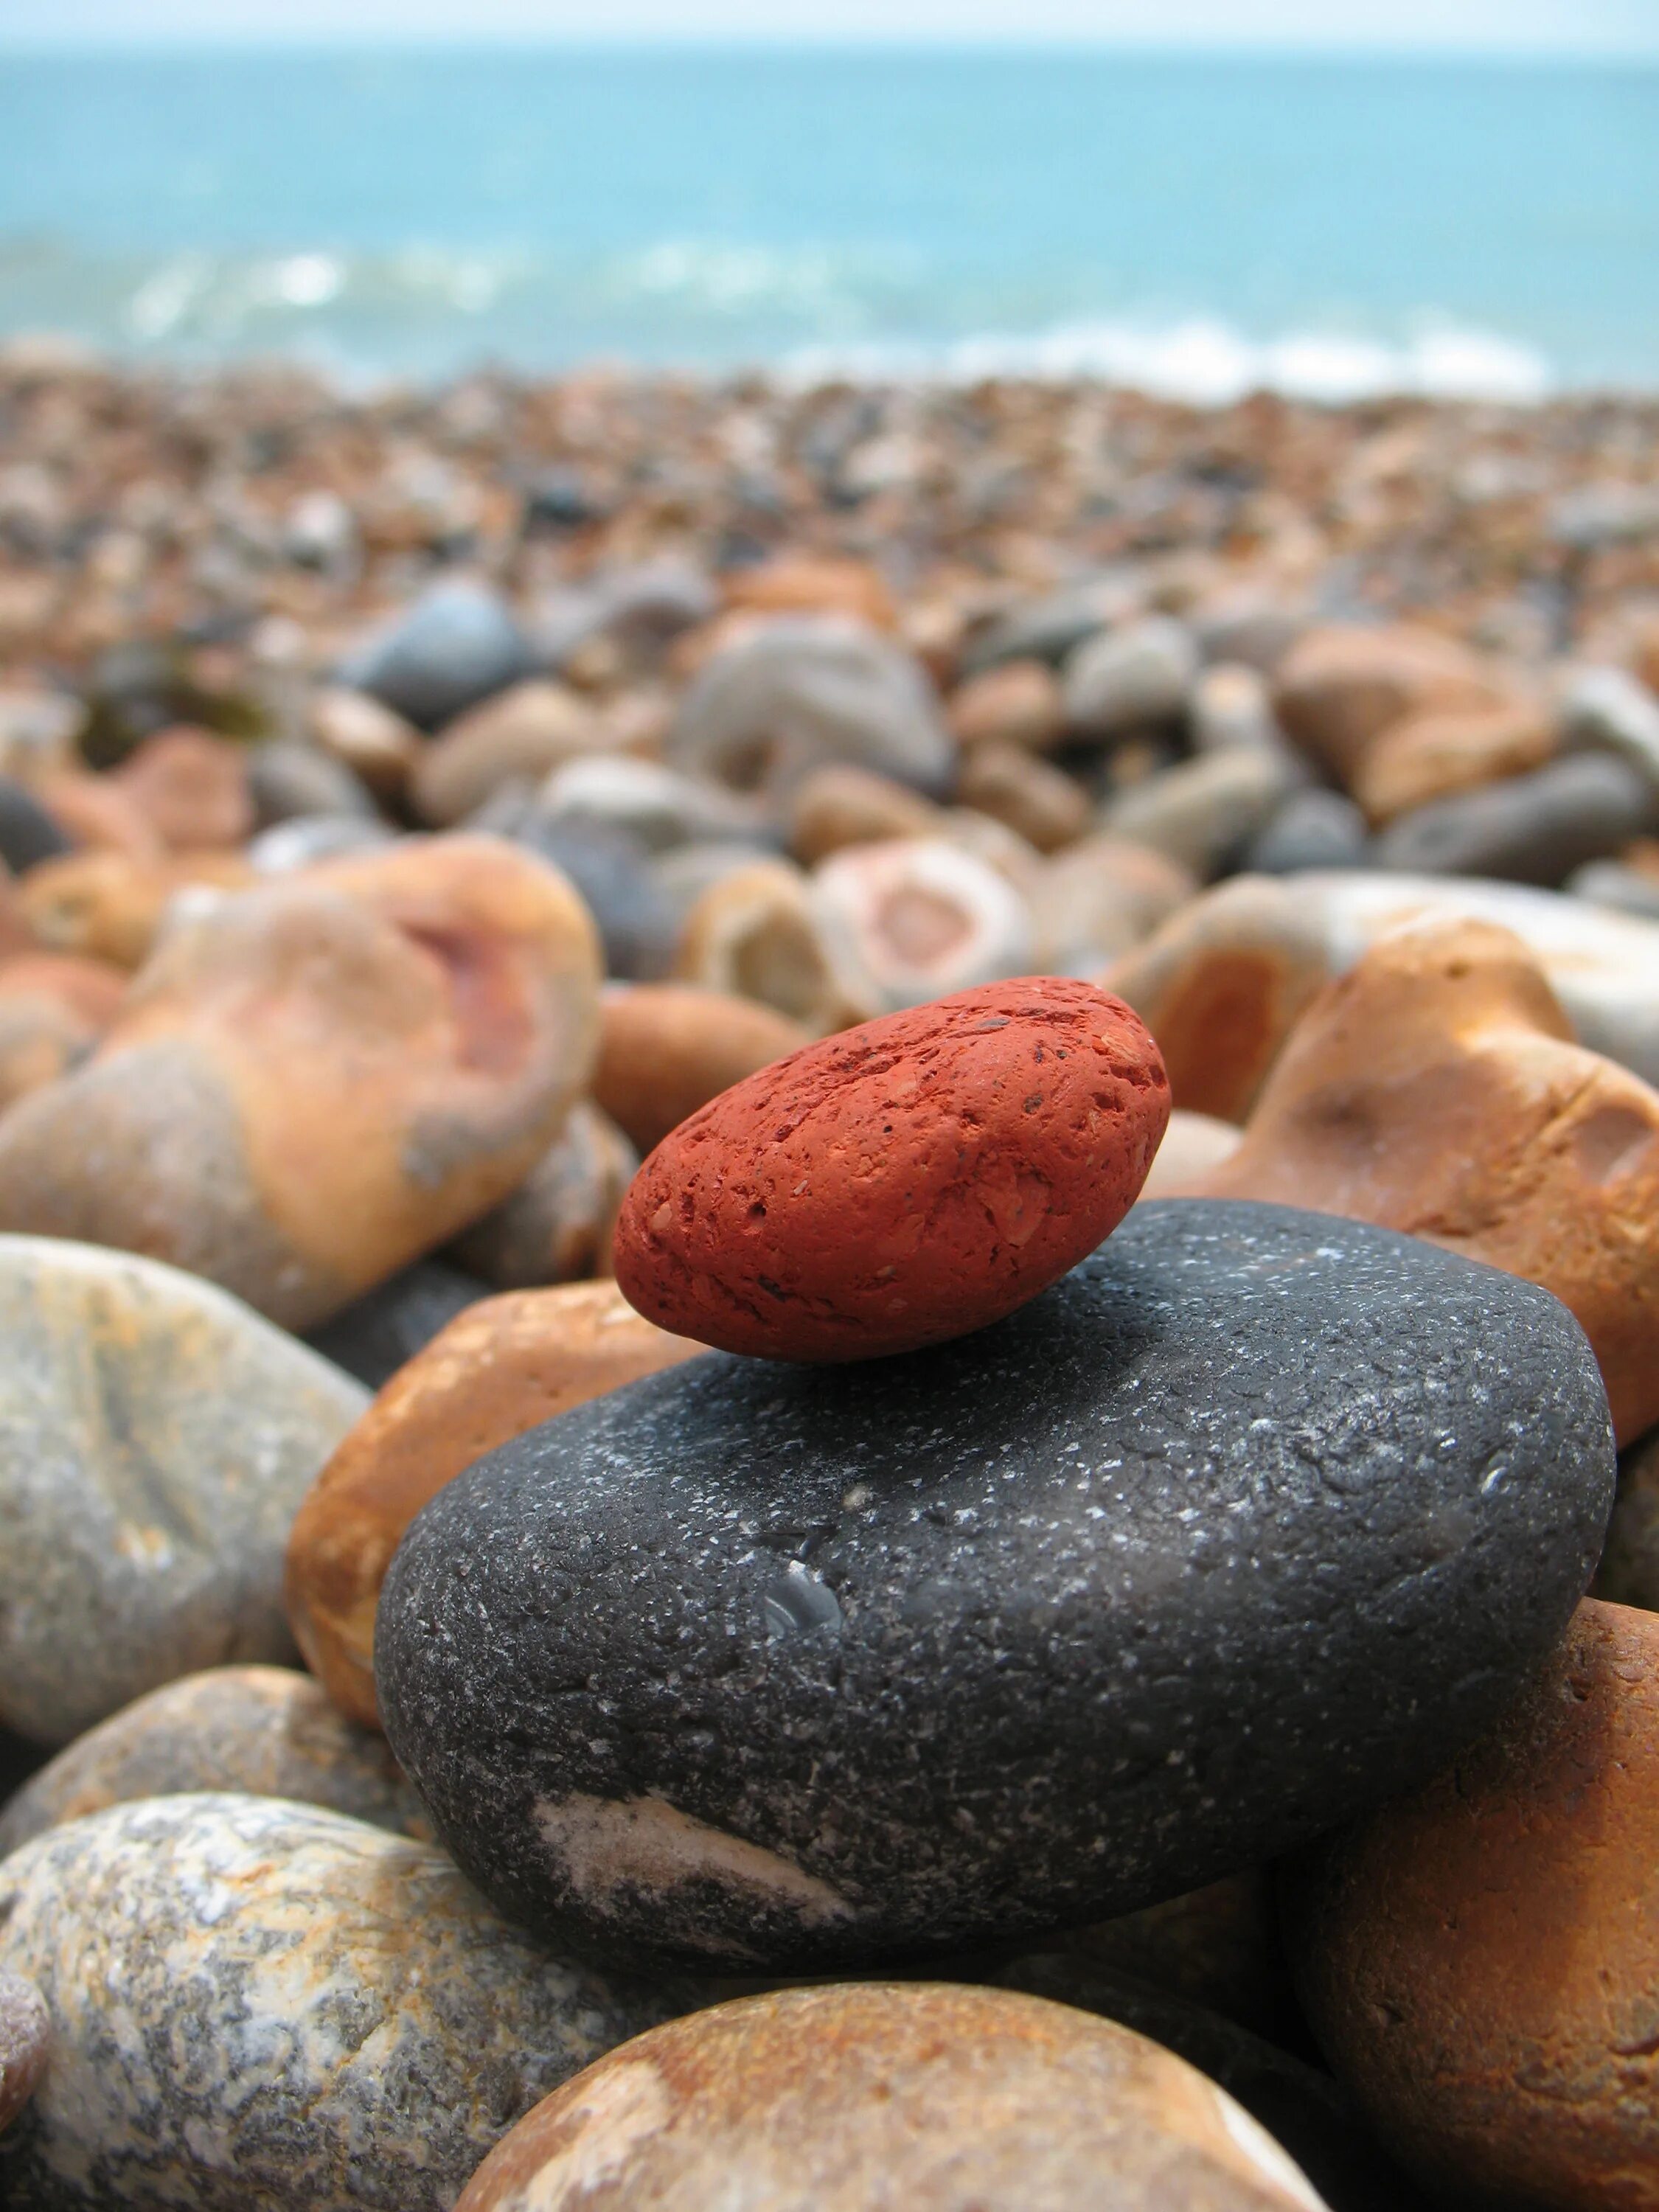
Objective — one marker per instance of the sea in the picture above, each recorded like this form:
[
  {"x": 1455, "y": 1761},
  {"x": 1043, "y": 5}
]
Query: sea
[{"x": 1195, "y": 224}]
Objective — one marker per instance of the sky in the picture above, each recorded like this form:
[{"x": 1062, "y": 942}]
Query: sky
[{"x": 1608, "y": 26}]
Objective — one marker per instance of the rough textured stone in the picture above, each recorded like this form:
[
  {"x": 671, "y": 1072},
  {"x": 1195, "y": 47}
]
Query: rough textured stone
[
  {"x": 157, "y": 1439},
  {"x": 665, "y": 1051},
  {"x": 797, "y": 694},
  {"x": 798, "y": 1667},
  {"x": 557, "y": 1226},
  {"x": 1436, "y": 1089},
  {"x": 261, "y": 1731},
  {"x": 914, "y": 919},
  {"x": 1480, "y": 1959},
  {"x": 1530, "y": 829},
  {"x": 504, "y": 1366},
  {"x": 25, "y": 2043},
  {"x": 941, "y": 2100},
  {"x": 315, "y": 1082},
  {"x": 314, "y": 2015},
  {"x": 901, "y": 1183}
]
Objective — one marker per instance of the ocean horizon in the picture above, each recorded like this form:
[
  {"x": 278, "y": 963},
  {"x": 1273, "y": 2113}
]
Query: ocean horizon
[{"x": 1195, "y": 224}]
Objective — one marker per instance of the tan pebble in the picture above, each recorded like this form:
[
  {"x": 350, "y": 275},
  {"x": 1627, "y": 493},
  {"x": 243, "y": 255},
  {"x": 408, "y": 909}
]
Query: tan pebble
[
  {"x": 1044, "y": 806},
  {"x": 1340, "y": 687},
  {"x": 192, "y": 787},
  {"x": 1020, "y": 703},
  {"x": 841, "y": 806},
  {"x": 524, "y": 732},
  {"x": 667, "y": 1049},
  {"x": 1437, "y": 754},
  {"x": 754, "y": 934}
]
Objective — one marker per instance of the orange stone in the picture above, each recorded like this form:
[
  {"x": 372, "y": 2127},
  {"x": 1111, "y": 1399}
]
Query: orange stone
[
  {"x": 193, "y": 789},
  {"x": 668, "y": 1048}
]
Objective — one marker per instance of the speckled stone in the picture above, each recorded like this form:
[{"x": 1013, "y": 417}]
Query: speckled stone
[
  {"x": 263, "y": 1731},
  {"x": 314, "y": 2016},
  {"x": 25, "y": 2040},
  {"x": 936, "y": 2099},
  {"x": 156, "y": 1437},
  {"x": 1254, "y": 1517}
]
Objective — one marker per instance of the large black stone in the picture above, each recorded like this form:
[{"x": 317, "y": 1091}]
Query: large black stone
[{"x": 1255, "y": 1518}]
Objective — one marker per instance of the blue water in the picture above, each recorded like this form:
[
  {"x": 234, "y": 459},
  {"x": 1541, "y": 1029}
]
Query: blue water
[{"x": 1198, "y": 224}]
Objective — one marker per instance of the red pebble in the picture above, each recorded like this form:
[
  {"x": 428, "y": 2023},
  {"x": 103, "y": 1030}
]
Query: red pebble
[{"x": 902, "y": 1182}]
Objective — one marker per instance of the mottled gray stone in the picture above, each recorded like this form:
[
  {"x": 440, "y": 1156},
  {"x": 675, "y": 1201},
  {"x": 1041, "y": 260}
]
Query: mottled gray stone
[
  {"x": 457, "y": 644},
  {"x": 1254, "y": 1519},
  {"x": 25, "y": 2039},
  {"x": 801, "y": 693},
  {"x": 263, "y": 1731},
  {"x": 1202, "y": 813},
  {"x": 156, "y": 1436},
  {"x": 1531, "y": 829},
  {"x": 1125, "y": 678},
  {"x": 1311, "y": 829},
  {"x": 261, "y": 2007}
]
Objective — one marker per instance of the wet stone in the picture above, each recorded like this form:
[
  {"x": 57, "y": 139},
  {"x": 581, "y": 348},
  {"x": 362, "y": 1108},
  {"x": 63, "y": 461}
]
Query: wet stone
[{"x": 792, "y": 1668}]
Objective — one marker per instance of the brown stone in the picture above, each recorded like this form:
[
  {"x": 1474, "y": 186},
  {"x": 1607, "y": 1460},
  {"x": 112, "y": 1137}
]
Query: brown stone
[
  {"x": 668, "y": 1048},
  {"x": 25, "y": 2043},
  {"x": 53, "y": 1009},
  {"x": 323, "y": 1078},
  {"x": 378, "y": 746},
  {"x": 1218, "y": 1945},
  {"x": 263, "y": 1731},
  {"x": 802, "y": 584},
  {"x": 1193, "y": 1145},
  {"x": 754, "y": 934},
  {"x": 1479, "y": 1960},
  {"x": 521, "y": 734},
  {"x": 841, "y": 805},
  {"x": 99, "y": 814},
  {"x": 558, "y": 1224},
  {"x": 1439, "y": 753},
  {"x": 1020, "y": 703},
  {"x": 1629, "y": 1572},
  {"x": 1339, "y": 688},
  {"x": 926, "y": 2096},
  {"x": 1436, "y": 1089},
  {"x": 108, "y": 906},
  {"x": 1220, "y": 986},
  {"x": 1041, "y": 803},
  {"x": 1647, "y": 653},
  {"x": 502, "y": 1367},
  {"x": 193, "y": 789}
]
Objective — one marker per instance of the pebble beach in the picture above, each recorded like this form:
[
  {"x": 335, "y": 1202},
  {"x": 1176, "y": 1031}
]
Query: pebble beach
[{"x": 829, "y": 1251}]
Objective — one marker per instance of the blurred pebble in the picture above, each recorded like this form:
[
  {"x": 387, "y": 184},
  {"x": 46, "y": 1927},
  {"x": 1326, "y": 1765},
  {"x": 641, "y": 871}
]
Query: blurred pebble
[{"x": 557, "y": 1226}]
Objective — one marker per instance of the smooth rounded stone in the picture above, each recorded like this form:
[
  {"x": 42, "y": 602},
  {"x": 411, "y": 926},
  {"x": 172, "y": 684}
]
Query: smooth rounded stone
[
  {"x": 28, "y": 833},
  {"x": 53, "y": 1009},
  {"x": 457, "y": 644},
  {"x": 380, "y": 1332},
  {"x": 611, "y": 870},
  {"x": 1479, "y": 1960},
  {"x": 1019, "y": 702},
  {"x": 1052, "y": 626},
  {"x": 681, "y": 876},
  {"x": 1610, "y": 710},
  {"x": 805, "y": 583},
  {"x": 913, "y": 919},
  {"x": 640, "y": 607},
  {"x": 1098, "y": 899},
  {"x": 1231, "y": 705},
  {"x": 1309, "y": 829},
  {"x": 556, "y": 1227},
  {"x": 290, "y": 781},
  {"x": 1122, "y": 679},
  {"x": 656, "y": 805},
  {"x": 901, "y": 1183},
  {"x": 797, "y": 694},
  {"x": 1193, "y": 1145},
  {"x": 110, "y": 906},
  {"x": 305, "y": 839},
  {"x": 379, "y": 747},
  {"x": 841, "y": 806},
  {"x": 1303, "y": 2109},
  {"x": 939, "y": 2099},
  {"x": 1248, "y": 626},
  {"x": 1436, "y": 1089},
  {"x": 263, "y": 1731},
  {"x": 316, "y": 1081},
  {"x": 1220, "y": 984},
  {"x": 1629, "y": 1572},
  {"x": 1621, "y": 890},
  {"x": 665, "y": 1049},
  {"x": 523, "y": 733},
  {"x": 25, "y": 2045},
  {"x": 1040, "y": 802},
  {"x": 505, "y": 1366},
  {"x": 757, "y": 934},
  {"x": 1202, "y": 813},
  {"x": 1531, "y": 830},
  {"x": 1299, "y": 1502},
  {"x": 1442, "y": 752},
  {"x": 97, "y": 815},
  {"x": 1341, "y": 685},
  {"x": 313, "y": 2015},
  {"x": 192, "y": 788},
  {"x": 158, "y": 1436}
]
